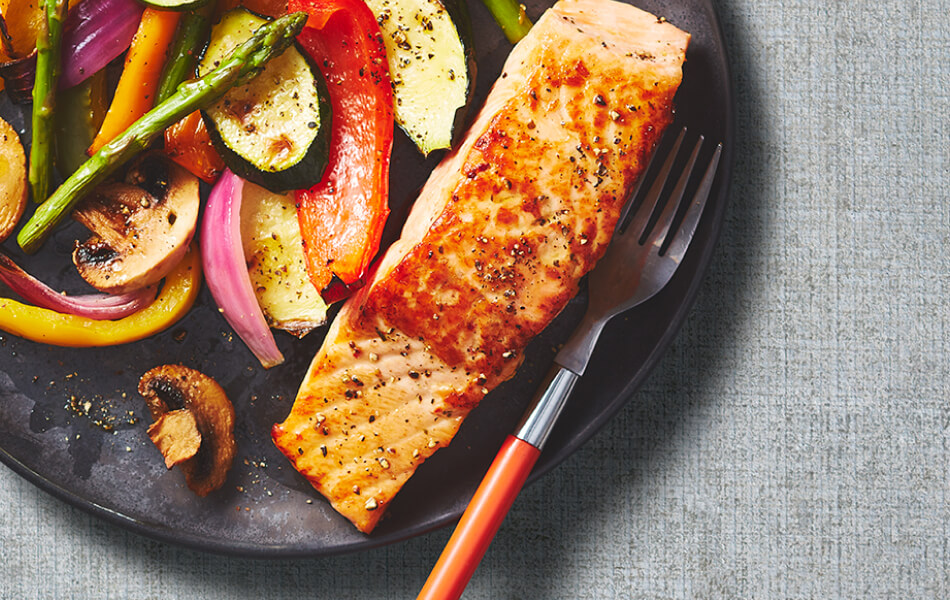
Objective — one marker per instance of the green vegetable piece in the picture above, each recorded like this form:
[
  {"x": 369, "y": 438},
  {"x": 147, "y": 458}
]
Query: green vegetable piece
[
  {"x": 48, "y": 44},
  {"x": 179, "y": 5},
  {"x": 79, "y": 114},
  {"x": 270, "y": 40},
  {"x": 275, "y": 131},
  {"x": 431, "y": 60},
  {"x": 510, "y": 15},
  {"x": 191, "y": 36}
]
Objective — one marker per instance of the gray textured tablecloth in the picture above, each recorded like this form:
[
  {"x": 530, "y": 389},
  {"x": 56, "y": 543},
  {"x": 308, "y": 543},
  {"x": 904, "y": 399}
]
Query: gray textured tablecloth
[{"x": 794, "y": 443}]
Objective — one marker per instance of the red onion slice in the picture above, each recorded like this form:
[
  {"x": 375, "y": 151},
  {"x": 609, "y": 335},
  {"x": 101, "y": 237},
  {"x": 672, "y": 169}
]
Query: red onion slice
[
  {"x": 93, "y": 306},
  {"x": 225, "y": 269},
  {"x": 96, "y": 32},
  {"x": 19, "y": 75}
]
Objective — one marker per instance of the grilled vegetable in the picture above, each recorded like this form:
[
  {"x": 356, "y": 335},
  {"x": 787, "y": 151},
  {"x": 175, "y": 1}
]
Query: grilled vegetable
[
  {"x": 135, "y": 93},
  {"x": 97, "y": 307},
  {"x": 246, "y": 62},
  {"x": 187, "y": 143},
  {"x": 206, "y": 457},
  {"x": 79, "y": 114},
  {"x": 342, "y": 217},
  {"x": 175, "y": 434},
  {"x": 13, "y": 185},
  {"x": 174, "y": 4},
  {"x": 18, "y": 75},
  {"x": 273, "y": 250},
  {"x": 141, "y": 228},
  {"x": 177, "y": 297},
  {"x": 228, "y": 280},
  {"x": 431, "y": 62},
  {"x": 275, "y": 130},
  {"x": 20, "y": 23},
  {"x": 48, "y": 44},
  {"x": 97, "y": 32},
  {"x": 511, "y": 17},
  {"x": 190, "y": 38}
]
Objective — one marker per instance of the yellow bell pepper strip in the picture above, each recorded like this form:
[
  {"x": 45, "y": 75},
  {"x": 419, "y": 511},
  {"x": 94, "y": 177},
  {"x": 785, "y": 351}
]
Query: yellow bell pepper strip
[{"x": 49, "y": 327}]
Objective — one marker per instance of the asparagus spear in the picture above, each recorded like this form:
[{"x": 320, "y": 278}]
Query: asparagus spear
[
  {"x": 270, "y": 40},
  {"x": 182, "y": 58},
  {"x": 510, "y": 15},
  {"x": 48, "y": 43}
]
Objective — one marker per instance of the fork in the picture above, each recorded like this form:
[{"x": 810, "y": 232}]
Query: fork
[{"x": 639, "y": 262}]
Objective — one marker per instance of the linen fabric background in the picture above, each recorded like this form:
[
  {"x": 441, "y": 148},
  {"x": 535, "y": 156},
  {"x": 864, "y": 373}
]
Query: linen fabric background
[{"x": 795, "y": 440}]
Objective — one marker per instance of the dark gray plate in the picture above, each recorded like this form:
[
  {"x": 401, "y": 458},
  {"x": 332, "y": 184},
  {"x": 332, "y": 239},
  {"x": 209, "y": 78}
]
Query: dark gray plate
[{"x": 71, "y": 422}]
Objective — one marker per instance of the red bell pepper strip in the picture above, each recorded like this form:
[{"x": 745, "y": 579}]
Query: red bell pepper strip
[{"x": 342, "y": 217}]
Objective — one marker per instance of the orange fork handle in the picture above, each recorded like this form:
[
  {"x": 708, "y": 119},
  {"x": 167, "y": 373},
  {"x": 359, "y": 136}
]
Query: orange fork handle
[{"x": 475, "y": 531}]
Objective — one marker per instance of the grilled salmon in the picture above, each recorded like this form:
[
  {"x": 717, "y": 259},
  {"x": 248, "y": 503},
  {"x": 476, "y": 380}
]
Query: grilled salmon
[{"x": 491, "y": 252}]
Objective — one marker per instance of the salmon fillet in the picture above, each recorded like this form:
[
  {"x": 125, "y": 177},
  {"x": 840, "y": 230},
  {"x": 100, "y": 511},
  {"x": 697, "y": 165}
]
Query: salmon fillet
[{"x": 493, "y": 249}]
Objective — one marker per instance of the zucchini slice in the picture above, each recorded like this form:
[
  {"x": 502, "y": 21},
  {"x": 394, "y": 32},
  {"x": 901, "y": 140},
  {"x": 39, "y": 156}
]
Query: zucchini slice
[
  {"x": 275, "y": 129},
  {"x": 432, "y": 66}
]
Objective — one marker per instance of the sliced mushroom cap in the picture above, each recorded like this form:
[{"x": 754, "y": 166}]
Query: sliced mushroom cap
[
  {"x": 170, "y": 388},
  {"x": 141, "y": 227}
]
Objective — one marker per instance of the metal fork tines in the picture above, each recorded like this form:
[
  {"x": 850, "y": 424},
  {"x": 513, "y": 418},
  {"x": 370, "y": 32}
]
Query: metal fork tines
[{"x": 639, "y": 262}]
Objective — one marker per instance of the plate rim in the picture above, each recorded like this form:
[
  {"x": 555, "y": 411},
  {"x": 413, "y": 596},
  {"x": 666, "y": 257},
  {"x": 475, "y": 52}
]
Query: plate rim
[{"x": 549, "y": 459}]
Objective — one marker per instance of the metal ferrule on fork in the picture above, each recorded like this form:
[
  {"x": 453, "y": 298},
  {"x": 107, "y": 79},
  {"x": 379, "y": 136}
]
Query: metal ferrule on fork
[{"x": 538, "y": 422}]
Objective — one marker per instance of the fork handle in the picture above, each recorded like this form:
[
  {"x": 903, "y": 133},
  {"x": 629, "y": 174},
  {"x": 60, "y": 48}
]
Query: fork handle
[
  {"x": 484, "y": 515},
  {"x": 498, "y": 490}
]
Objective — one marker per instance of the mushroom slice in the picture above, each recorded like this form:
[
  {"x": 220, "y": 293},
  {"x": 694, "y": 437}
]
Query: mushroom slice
[
  {"x": 141, "y": 227},
  {"x": 169, "y": 389},
  {"x": 176, "y": 436}
]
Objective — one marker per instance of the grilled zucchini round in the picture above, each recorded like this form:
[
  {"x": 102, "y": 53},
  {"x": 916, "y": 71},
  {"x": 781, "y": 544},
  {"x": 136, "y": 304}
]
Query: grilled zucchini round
[{"x": 275, "y": 129}]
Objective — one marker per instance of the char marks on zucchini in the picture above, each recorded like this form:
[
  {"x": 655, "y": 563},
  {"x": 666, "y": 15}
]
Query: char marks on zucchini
[{"x": 275, "y": 129}]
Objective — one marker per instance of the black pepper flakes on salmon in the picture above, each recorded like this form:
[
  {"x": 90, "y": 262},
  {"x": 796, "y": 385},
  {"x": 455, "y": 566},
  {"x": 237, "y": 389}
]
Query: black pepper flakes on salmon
[{"x": 493, "y": 249}]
